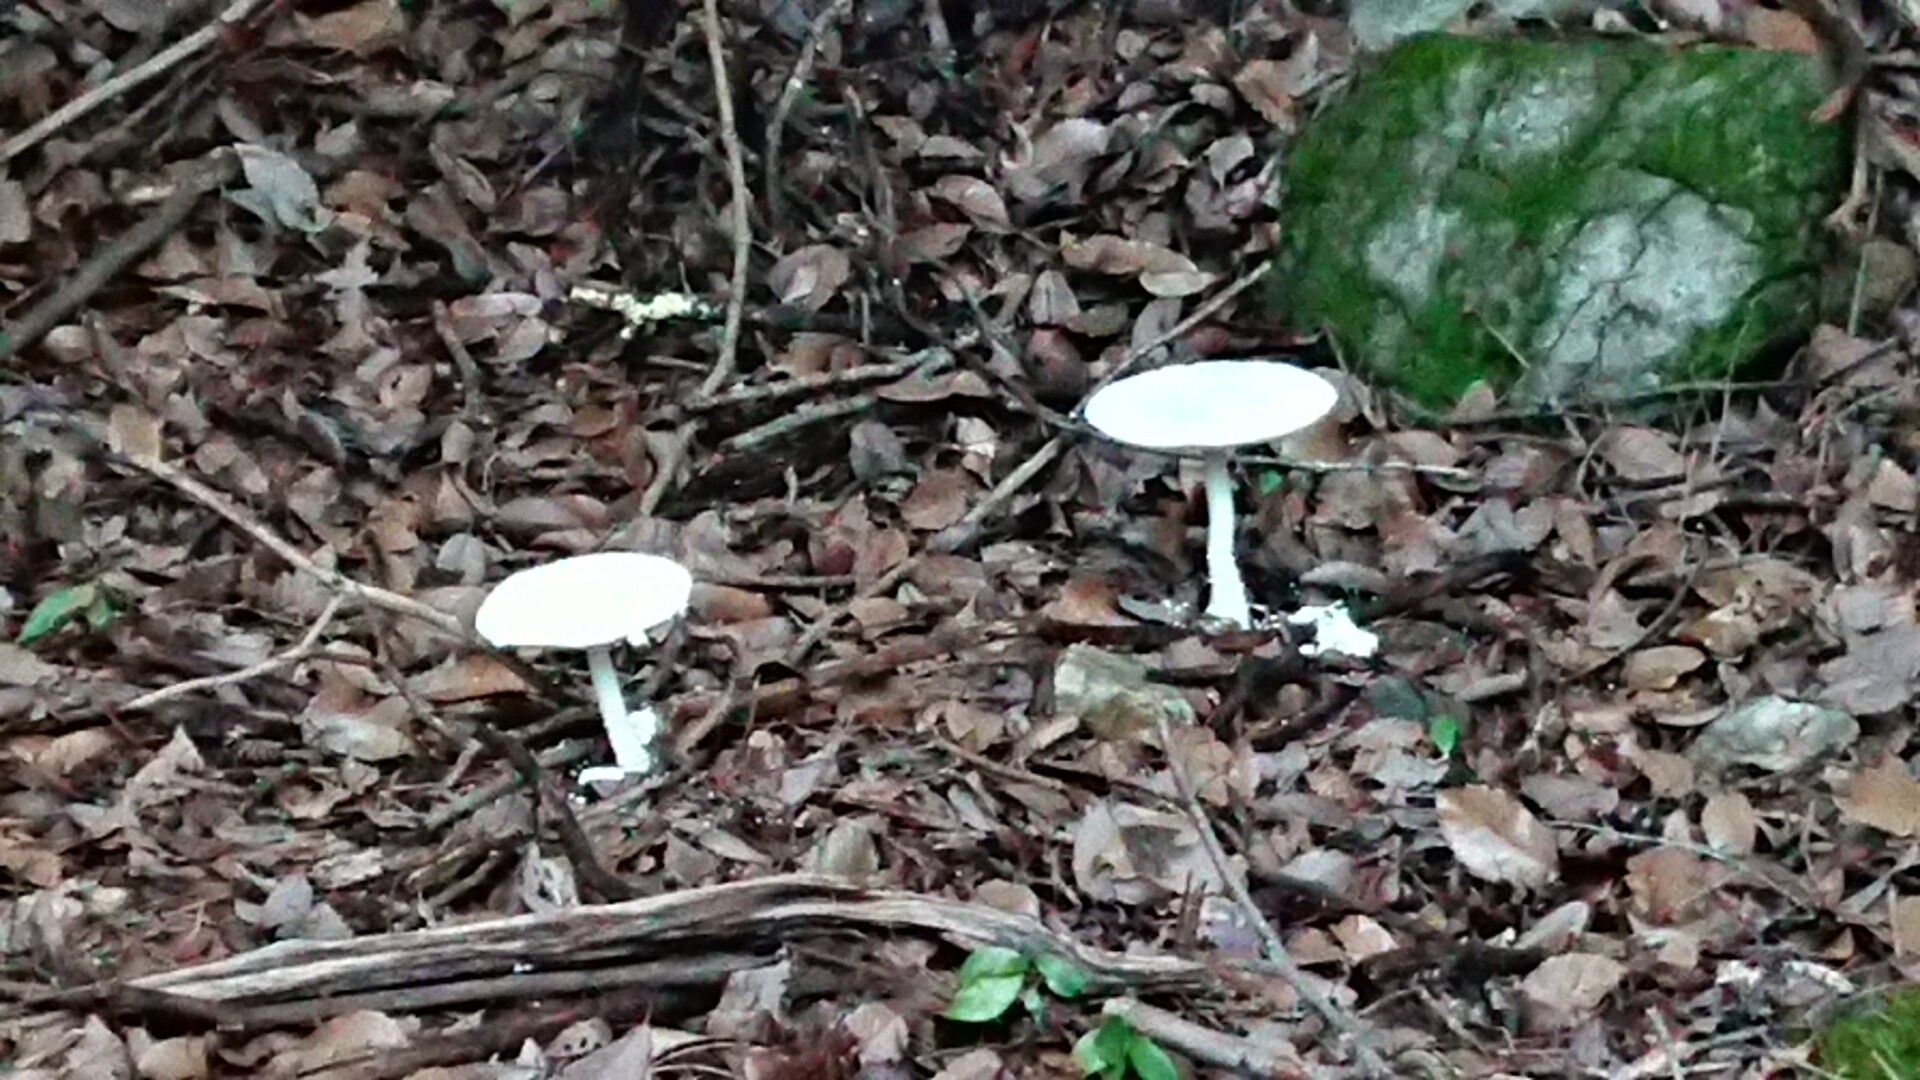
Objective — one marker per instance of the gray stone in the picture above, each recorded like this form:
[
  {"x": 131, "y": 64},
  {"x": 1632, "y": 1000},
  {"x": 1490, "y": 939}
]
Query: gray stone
[
  {"x": 1112, "y": 695},
  {"x": 1565, "y": 220}
]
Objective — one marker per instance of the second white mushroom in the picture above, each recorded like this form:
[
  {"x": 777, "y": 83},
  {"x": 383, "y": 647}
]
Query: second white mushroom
[
  {"x": 1208, "y": 409},
  {"x": 592, "y": 603}
]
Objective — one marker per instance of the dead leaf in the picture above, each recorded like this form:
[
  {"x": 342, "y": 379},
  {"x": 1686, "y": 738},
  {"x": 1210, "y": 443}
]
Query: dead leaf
[
  {"x": 468, "y": 678},
  {"x": 1905, "y": 924},
  {"x": 1729, "y": 822},
  {"x": 1566, "y": 990},
  {"x": 20, "y": 667},
  {"x": 940, "y": 499},
  {"x": 933, "y": 243},
  {"x": 1496, "y": 838},
  {"x": 1265, "y": 84},
  {"x": 881, "y": 1033},
  {"x": 1643, "y": 454},
  {"x": 975, "y": 197},
  {"x": 810, "y": 276},
  {"x": 1661, "y": 667},
  {"x": 134, "y": 433},
  {"x": 1884, "y": 797},
  {"x": 1108, "y": 254},
  {"x": 1669, "y": 884}
]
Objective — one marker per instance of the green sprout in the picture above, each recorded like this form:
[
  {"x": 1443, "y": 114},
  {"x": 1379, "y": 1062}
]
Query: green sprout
[
  {"x": 89, "y": 602},
  {"x": 1115, "y": 1050},
  {"x": 993, "y": 978}
]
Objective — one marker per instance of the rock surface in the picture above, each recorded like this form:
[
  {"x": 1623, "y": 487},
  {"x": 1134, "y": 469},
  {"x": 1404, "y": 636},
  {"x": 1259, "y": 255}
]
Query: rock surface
[{"x": 1569, "y": 221}]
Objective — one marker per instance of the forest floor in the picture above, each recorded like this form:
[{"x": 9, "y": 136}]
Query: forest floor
[{"x": 311, "y": 336}]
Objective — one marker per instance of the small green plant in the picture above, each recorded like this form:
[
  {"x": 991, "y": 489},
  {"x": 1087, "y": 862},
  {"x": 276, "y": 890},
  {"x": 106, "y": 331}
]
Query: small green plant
[
  {"x": 1444, "y": 731},
  {"x": 89, "y": 602},
  {"x": 1114, "y": 1050},
  {"x": 1875, "y": 1044},
  {"x": 993, "y": 978}
]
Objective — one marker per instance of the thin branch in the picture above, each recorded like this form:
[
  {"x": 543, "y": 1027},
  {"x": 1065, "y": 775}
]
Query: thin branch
[
  {"x": 800, "y": 386},
  {"x": 158, "y": 64},
  {"x": 307, "y": 647},
  {"x": 1277, "y": 955},
  {"x": 789, "y": 94},
  {"x": 107, "y": 261},
  {"x": 742, "y": 226},
  {"x": 1200, "y": 314},
  {"x": 964, "y": 533},
  {"x": 370, "y": 595},
  {"x": 463, "y": 362}
]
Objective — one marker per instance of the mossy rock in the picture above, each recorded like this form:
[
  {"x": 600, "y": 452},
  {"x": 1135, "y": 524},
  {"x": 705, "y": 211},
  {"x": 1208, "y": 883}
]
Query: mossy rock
[
  {"x": 1569, "y": 221},
  {"x": 1875, "y": 1043}
]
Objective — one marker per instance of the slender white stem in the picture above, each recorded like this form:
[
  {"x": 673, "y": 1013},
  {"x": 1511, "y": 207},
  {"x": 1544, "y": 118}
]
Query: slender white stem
[
  {"x": 631, "y": 752},
  {"x": 1229, "y": 593}
]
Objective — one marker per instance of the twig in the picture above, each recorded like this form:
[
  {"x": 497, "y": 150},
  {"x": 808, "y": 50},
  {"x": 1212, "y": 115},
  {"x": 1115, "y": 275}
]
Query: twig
[
  {"x": 370, "y": 595},
  {"x": 474, "y": 798},
  {"x": 800, "y": 386},
  {"x": 462, "y": 360},
  {"x": 797, "y": 655},
  {"x": 789, "y": 94},
  {"x": 158, "y": 64},
  {"x": 1447, "y": 471},
  {"x": 1239, "y": 1055},
  {"x": 1283, "y": 964},
  {"x": 755, "y": 437},
  {"x": 573, "y": 839},
  {"x": 742, "y": 226},
  {"x": 114, "y": 257},
  {"x": 290, "y": 657},
  {"x": 1200, "y": 314},
  {"x": 963, "y": 533}
]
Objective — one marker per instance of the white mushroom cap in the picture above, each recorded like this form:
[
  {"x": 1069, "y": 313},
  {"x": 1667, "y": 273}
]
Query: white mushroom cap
[
  {"x": 1211, "y": 405},
  {"x": 585, "y": 602}
]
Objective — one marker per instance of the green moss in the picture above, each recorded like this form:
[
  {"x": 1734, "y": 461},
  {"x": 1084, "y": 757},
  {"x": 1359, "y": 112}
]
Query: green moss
[
  {"x": 1512, "y": 148},
  {"x": 1878, "y": 1044}
]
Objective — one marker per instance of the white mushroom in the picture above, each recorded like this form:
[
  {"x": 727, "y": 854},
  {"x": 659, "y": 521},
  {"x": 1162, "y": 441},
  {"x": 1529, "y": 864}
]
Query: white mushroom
[
  {"x": 1209, "y": 408},
  {"x": 593, "y": 602}
]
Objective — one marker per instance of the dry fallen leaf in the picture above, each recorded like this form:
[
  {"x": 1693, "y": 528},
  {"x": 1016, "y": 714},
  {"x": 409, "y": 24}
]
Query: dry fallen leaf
[
  {"x": 1729, "y": 822},
  {"x": 1565, "y": 990},
  {"x": 1496, "y": 838},
  {"x": 1884, "y": 797}
]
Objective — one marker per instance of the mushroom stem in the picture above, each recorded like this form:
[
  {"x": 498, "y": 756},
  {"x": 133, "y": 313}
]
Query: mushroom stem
[
  {"x": 1228, "y": 600},
  {"x": 630, "y": 751}
]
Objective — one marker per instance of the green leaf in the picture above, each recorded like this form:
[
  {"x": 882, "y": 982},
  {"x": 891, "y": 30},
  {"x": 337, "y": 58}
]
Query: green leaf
[
  {"x": 1268, "y": 481},
  {"x": 59, "y": 608},
  {"x": 1445, "y": 733},
  {"x": 1104, "y": 1049},
  {"x": 1149, "y": 1061},
  {"x": 1065, "y": 978},
  {"x": 993, "y": 960},
  {"x": 985, "y": 998},
  {"x": 1035, "y": 1002},
  {"x": 102, "y": 612}
]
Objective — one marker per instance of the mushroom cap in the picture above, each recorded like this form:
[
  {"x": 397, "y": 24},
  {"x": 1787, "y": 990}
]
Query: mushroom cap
[
  {"x": 1211, "y": 405},
  {"x": 584, "y": 601}
]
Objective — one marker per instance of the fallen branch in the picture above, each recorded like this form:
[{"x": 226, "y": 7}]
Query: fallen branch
[
  {"x": 307, "y": 647},
  {"x": 1240, "y": 1055},
  {"x": 1277, "y": 955},
  {"x": 116, "y": 255},
  {"x": 711, "y": 931},
  {"x": 158, "y": 64},
  {"x": 742, "y": 225}
]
